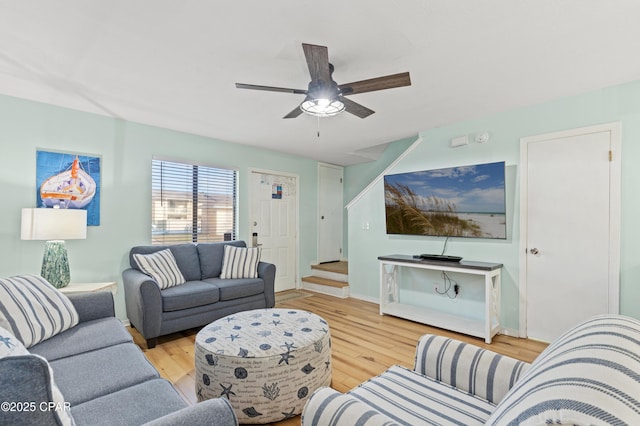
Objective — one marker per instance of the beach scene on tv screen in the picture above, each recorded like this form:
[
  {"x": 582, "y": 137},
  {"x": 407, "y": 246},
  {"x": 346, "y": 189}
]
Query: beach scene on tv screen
[{"x": 466, "y": 201}]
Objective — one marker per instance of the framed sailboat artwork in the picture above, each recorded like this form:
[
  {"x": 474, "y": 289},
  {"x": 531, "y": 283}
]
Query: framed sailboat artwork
[{"x": 69, "y": 181}]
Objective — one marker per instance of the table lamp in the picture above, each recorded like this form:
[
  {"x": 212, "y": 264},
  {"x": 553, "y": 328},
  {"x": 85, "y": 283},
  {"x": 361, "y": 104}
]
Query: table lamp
[{"x": 54, "y": 226}]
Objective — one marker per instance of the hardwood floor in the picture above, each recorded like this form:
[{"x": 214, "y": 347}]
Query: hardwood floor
[{"x": 364, "y": 344}]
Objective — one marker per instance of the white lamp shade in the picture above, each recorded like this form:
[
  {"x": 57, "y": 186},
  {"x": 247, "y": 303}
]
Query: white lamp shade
[{"x": 53, "y": 224}]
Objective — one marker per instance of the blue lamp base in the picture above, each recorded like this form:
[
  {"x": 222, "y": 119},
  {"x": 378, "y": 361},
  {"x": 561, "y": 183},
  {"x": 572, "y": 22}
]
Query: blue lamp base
[{"x": 55, "y": 264}]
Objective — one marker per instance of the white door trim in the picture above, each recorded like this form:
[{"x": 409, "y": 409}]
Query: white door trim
[
  {"x": 297, "y": 236},
  {"x": 614, "y": 213},
  {"x": 319, "y": 211}
]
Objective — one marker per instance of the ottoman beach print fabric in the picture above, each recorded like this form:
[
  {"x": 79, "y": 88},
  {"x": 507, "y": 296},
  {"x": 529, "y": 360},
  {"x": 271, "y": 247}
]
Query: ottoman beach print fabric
[{"x": 266, "y": 362}]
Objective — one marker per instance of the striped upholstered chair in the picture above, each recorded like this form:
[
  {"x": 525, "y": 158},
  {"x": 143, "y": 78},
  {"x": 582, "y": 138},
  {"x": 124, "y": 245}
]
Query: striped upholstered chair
[{"x": 588, "y": 376}]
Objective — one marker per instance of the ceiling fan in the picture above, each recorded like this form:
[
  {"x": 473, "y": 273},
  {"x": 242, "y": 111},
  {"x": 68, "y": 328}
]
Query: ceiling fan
[{"x": 325, "y": 97}]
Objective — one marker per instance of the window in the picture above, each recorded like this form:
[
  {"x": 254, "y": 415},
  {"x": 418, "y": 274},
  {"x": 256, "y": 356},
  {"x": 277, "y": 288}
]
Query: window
[{"x": 192, "y": 203}]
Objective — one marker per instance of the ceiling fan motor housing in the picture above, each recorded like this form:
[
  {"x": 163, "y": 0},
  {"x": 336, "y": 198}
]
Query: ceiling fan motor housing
[{"x": 321, "y": 90}]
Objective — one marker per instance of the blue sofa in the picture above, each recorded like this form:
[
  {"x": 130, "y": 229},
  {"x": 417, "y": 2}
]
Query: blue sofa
[
  {"x": 104, "y": 378},
  {"x": 204, "y": 298}
]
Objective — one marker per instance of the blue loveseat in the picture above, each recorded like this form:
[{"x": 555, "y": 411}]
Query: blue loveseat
[{"x": 204, "y": 298}]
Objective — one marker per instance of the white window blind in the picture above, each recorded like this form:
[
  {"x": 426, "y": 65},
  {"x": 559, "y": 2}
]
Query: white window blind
[{"x": 192, "y": 203}]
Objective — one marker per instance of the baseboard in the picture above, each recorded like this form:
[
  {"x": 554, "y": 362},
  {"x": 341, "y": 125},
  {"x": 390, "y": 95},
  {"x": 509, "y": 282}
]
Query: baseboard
[
  {"x": 510, "y": 332},
  {"x": 366, "y": 298}
]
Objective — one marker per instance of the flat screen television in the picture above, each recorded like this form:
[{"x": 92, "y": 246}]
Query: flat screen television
[{"x": 465, "y": 201}]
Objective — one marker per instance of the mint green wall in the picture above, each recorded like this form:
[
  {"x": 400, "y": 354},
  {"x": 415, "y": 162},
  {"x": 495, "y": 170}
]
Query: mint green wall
[
  {"x": 358, "y": 176},
  {"x": 619, "y": 103},
  {"x": 126, "y": 149}
]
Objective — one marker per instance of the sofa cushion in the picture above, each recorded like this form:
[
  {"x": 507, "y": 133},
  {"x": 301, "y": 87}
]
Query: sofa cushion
[
  {"x": 134, "y": 405},
  {"x": 33, "y": 309},
  {"x": 235, "y": 289},
  {"x": 211, "y": 255},
  {"x": 409, "y": 398},
  {"x": 94, "y": 374},
  {"x": 186, "y": 256},
  {"x": 582, "y": 378},
  {"x": 240, "y": 262},
  {"x": 162, "y": 267},
  {"x": 86, "y": 336},
  {"x": 189, "y": 295}
]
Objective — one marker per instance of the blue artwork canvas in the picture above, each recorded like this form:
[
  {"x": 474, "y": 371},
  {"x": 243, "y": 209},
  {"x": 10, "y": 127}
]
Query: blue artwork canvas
[{"x": 69, "y": 181}]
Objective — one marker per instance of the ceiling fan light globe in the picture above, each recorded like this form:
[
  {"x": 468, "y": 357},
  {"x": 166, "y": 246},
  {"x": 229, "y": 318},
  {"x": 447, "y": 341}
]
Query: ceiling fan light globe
[{"x": 322, "y": 107}]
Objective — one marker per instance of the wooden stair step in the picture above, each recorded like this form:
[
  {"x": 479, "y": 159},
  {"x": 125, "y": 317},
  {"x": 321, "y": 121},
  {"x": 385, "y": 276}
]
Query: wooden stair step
[
  {"x": 337, "y": 267},
  {"x": 325, "y": 281}
]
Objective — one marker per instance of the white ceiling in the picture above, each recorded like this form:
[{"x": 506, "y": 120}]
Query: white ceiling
[{"x": 174, "y": 63}]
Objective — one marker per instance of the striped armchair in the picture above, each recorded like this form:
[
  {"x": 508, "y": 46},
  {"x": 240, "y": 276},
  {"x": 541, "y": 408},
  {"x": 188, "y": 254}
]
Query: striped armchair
[{"x": 588, "y": 376}]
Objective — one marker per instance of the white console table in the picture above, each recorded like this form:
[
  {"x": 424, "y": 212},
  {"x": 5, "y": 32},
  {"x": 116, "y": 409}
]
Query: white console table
[{"x": 391, "y": 305}]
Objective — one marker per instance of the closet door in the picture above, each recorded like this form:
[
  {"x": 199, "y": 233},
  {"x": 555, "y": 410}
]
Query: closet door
[{"x": 571, "y": 254}]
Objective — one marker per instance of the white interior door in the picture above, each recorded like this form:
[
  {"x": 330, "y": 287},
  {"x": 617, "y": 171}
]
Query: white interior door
[
  {"x": 330, "y": 212},
  {"x": 274, "y": 219},
  {"x": 570, "y": 274}
]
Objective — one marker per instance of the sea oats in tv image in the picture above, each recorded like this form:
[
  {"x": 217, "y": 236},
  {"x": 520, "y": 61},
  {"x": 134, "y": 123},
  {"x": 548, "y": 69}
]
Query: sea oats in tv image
[{"x": 465, "y": 201}]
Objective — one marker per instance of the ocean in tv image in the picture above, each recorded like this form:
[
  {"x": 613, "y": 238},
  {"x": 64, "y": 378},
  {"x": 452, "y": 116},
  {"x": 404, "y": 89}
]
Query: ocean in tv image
[{"x": 465, "y": 201}]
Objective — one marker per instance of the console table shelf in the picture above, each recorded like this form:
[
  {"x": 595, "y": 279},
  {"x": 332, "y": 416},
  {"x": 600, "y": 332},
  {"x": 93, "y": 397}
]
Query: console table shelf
[{"x": 390, "y": 302}]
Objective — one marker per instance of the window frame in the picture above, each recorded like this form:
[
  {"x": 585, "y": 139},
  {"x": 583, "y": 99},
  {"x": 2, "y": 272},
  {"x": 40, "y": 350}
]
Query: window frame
[{"x": 192, "y": 201}]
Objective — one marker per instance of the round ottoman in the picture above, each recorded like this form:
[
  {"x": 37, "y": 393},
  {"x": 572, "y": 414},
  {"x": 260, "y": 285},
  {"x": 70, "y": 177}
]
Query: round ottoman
[{"x": 266, "y": 362}]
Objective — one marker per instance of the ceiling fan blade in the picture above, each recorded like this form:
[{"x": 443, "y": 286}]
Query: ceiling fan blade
[
  {"x": 317, "y": 61},
  {"x": 355, "y": 108},
  {"x": 378, "y": 83},
  {"x": 293, "y": 114},
  {"x": 270, "y": 88}
]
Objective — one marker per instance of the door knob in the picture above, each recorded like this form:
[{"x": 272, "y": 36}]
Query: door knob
[{"x": 534, "y": 251}]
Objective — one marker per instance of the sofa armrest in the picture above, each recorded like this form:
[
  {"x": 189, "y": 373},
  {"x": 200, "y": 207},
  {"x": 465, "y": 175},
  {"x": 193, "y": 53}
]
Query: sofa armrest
[
  {"x": 26, "y": 383},
  {"x": 267, "y": 271},
  {"x": 143, "y": 302},
  {"x": 215, "y": 411},
  {"x": 328, "y": 407},
  {"x": 467, "y": 367},
  {"x": 91, "y": 306}
]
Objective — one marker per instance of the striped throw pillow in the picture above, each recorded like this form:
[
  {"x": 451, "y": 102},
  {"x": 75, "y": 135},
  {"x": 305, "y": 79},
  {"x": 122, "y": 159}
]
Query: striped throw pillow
[
  {"x": 162, "y": 267},
  {"x": 240, "y": 262},
  {"x": 588, "y": 376},
  {"x": 34, "y": 310}
]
